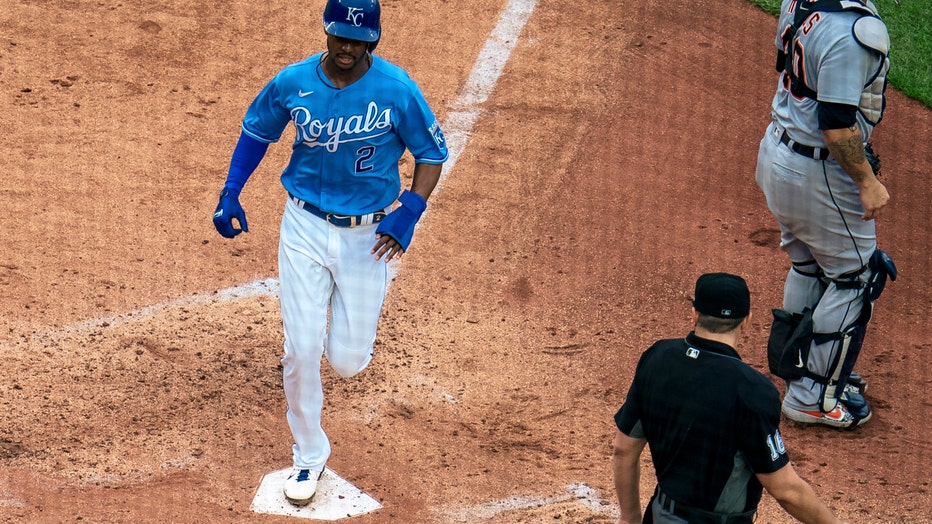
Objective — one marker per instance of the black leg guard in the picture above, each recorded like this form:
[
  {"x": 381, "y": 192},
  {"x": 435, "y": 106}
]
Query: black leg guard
[
  {"x": 845, "y": 351},
  {"x": 881, "y": 266},
  {"x": 848, "y": 343}
]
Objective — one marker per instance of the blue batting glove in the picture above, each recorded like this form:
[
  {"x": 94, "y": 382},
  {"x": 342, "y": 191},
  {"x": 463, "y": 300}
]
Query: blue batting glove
[
  {"x": 227, "y": 209},
  {"x": 399, "y": 224}
]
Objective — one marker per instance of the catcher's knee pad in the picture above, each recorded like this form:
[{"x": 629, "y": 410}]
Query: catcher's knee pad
[{"x": 878, "y": 268}]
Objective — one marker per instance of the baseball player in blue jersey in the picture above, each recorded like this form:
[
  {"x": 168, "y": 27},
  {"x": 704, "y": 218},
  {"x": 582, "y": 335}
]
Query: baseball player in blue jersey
[
  {"x": 354, "y": 115},
  {"x": 820, "y": 186}
]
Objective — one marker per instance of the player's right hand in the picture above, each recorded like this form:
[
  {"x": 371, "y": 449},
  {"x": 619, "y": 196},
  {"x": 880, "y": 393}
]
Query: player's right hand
[
  {"x": 227, "y": 209},
  {"x": 874, "y": 197}
]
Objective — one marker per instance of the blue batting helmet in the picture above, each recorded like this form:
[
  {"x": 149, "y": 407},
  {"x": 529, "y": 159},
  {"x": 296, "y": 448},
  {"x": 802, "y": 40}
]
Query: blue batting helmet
[{"x": 354, "y": 19}]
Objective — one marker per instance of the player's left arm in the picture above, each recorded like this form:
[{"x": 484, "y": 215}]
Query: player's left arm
[
  {"x": 842, "y": 74},
  {"x": 425, "y": 179},
  {"x": 847, "y": 146},
  {"x": 395, "y": 231},
  {"x": 421, "y": 133}
]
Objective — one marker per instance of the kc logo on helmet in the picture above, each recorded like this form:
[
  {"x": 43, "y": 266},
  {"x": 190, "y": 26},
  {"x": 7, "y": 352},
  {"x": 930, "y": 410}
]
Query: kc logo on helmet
[{"x": 354, "y": 15}]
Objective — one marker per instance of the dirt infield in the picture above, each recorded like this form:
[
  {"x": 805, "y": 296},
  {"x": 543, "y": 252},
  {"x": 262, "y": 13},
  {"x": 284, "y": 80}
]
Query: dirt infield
[{"x": 611, "y": 166}]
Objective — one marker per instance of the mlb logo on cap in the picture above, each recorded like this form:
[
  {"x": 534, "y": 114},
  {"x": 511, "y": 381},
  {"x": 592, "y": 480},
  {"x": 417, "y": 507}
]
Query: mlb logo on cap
[{"x": 722, "y": 295}]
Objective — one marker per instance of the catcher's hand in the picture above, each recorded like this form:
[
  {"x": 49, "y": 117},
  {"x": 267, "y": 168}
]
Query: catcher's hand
[{"x": 872, "y": 158}]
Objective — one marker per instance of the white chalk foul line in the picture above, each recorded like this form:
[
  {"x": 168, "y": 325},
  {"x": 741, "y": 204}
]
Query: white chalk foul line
[
  {"x": 488, "y": 67},
  {"x": 485, "y": 73},
  {"x": 580, "y": 493},
  {"x": 268, "y": 286}
]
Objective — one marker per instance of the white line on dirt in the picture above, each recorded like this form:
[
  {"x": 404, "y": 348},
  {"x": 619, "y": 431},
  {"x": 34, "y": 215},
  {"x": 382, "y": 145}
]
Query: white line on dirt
[
  {"x": 580, "y": 493},
  {"x": 490, "y": 63},
  {"x": 268, "y": 286},
  {"x": 485, "y": 73}
]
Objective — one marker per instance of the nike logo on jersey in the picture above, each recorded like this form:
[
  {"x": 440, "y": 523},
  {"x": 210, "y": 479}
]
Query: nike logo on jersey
[
  {"x": 800, "y": 364},
  {"x": 303, "y": 94}
]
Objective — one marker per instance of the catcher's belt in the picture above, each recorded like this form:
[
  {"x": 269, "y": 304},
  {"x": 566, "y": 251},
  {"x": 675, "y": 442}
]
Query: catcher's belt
[{"x": 815, "y": 153}]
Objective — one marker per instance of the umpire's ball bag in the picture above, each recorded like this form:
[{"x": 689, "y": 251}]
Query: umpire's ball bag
[{"x": 789, "y": 343}]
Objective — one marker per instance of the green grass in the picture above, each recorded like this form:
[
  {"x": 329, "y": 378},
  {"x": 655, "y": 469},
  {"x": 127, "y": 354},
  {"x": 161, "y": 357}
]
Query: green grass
[{"x": 909, "y": 23}]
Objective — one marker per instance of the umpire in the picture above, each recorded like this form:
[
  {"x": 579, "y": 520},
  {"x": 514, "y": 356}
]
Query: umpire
[{"x": 711, "y": 422}]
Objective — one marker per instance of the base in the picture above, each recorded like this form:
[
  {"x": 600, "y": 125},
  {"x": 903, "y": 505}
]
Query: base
[{"x": 335, "y": 498}]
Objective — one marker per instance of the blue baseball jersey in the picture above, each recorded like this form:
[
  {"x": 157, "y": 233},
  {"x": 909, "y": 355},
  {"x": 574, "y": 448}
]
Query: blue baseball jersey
[{"x": 347, "y": 141}]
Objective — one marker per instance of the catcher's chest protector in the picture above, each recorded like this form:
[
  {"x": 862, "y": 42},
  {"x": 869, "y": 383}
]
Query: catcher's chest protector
[{"x": 869, "y": 31}]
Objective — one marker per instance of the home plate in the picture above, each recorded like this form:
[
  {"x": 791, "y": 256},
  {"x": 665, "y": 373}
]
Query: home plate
[{"x": 335, "y": 498}]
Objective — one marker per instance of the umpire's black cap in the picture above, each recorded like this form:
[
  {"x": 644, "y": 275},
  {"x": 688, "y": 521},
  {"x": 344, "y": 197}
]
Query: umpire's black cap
[{"x": 722, "y": 295}]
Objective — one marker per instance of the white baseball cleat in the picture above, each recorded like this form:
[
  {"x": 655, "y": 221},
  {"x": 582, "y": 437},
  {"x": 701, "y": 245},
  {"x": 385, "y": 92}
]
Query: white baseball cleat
[
  {"x": 301, "y": 486},
  {"x": 839, "y": 417}
]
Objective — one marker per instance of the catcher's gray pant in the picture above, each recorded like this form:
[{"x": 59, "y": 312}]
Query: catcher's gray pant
[
  {"x": 323, "y": 267},
  {"x": 818, "y": 208}
]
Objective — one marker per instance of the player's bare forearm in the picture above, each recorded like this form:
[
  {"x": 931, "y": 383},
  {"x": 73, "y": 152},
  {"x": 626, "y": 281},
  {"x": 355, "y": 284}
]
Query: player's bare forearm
[
  {"x": 847, "y": 146},
  {"x": 398, "y": 225},
  {"x": 626, "y": 454},
  {"x": 425, "y": 178},
  {"x": 796, "y": 496}
]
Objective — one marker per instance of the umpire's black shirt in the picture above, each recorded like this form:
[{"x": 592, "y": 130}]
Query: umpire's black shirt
[{"x": 711, "y": 422}]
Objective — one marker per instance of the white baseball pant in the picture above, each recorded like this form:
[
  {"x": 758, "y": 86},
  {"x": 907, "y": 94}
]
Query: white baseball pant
[{"x": 324, "y": 268}]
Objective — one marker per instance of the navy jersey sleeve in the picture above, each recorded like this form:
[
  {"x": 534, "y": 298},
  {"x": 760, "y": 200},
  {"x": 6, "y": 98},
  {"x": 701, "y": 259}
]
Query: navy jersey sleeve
[{"x": 758, "y": 430}]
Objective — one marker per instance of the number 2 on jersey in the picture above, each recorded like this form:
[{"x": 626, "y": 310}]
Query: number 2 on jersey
[{"x": 362, "y": 155}]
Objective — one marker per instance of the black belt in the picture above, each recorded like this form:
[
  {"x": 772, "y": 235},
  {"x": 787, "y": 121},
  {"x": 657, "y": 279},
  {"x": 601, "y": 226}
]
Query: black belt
[
  {"x": 815, "y": 153},
  {"x": 684, "y": 512},
  {"x": 670, "y": 505},
  {"x": 339, "y": 220}
]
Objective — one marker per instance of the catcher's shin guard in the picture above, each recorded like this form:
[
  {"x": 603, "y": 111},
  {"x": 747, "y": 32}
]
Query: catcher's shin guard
[
  {"x": 847, "y": 348},
  {"x": 848, "y": 343}
]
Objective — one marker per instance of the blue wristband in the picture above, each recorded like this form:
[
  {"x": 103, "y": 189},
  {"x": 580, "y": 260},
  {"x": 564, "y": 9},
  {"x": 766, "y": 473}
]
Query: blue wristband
[
  {"x": 399, "y": 224},
  {"x": 413, "y": 201}
]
